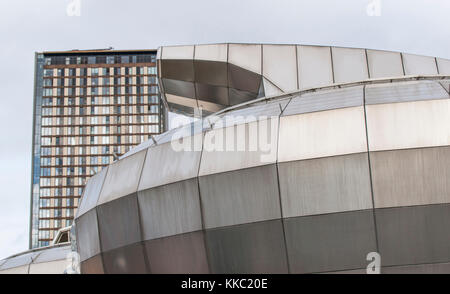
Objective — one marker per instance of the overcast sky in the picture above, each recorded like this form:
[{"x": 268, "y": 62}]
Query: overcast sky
[{"x": 414, "y": 26}]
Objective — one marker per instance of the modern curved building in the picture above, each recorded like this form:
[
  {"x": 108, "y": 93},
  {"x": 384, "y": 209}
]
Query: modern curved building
[
  {"x": 58, "y": 258},
  {"x": 314, "y": 158},
  {"x": 45, "y": 260}
]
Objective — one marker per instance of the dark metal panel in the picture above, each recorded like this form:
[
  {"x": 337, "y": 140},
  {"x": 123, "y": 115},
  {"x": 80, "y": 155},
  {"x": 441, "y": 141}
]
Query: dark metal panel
[
  {"x": 170, "y": 209},
  {"x": 415, "y": 234},
  {"x": 179, "y": 88},
  {"x": 325, "y": 185},
  {"x": 88, "y": 235},
  {"x": 175, "y": 69},
  {"x": 93, "y": 265},
  {"x": 251, "y": 248},
  {"x": 119, "y": 222},
  {"x": 211, "y": 72},
  {"x": 242, "y": 79},
  {"x": 437, "y": 268},
  {"x": 238, "y": 96},
  {"x": 330, "y": 242},
  {"x": 238, "y": 197},
  {"x": 214, "y": 94},
  {"x": 125, "y": 260},
  {"x": 180, "y": 254}
]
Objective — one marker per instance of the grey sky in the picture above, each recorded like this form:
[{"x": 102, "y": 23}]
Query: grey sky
[{"x": 415, "y": 26}]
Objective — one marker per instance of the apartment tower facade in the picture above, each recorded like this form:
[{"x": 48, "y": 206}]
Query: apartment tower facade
[{"x": 90, "y": 106}]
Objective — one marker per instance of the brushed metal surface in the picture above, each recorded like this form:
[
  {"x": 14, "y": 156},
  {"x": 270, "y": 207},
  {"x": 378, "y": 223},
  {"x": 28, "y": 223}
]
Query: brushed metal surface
[
  {"x": 178, "y": 52},
  {"x": 247, "y": 56},
  {"x": 443, "y": 66},
  {"x": 280, "y": 66},
  {"x": 122, "y": 177},
  {"x": 411, "y": 177},
  {"x": 49, "y": 268},
  {"x": 125, "y": 260},
  {"x": 180, "y": 254},
  {"x": 314, "y": 66},
  {"x": 93, "y": 265},
  {"x": 211, "y": 52},
  {"x": 168, "y": 163},
  {"x": 384, "y": 64},
  {"x": 91, "y": 192},
  {"x": 88, "y": 235},
  {"x": 330, "y": 242},
  {"x": 414, "y": 234},
  {"x": 436, "y": 268},
  {"x": 322, "y": 134},
  {"x": 325, "y": 100},
  {"x": 408, "y": 125},
  {"x": 118, "y": 223},
  {"x": 325, "y": 185},
  {"x": 349, "y": 65},
  {"x": 170, "y": 209},
  {"x": 243, "y": 146},
  {"x": 404, "y": 92},
  {"x": 419, "y": 65},
  {"x": 247, "y": 249},
  {"x": 239, "y": 197}
]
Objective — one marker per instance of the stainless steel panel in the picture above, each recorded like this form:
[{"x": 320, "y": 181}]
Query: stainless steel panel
[
  {"x": 181, "y": 70},
  {"x": 211, "y": 52},
  {"x": 325, "y": 100},
  {"x": 314, "y": 66},
  {"x": 18, "y": 261},
  {"x": 247, "y": 249},
  {"x": 408, "y": 125},
  {"x": 419, "y": 65},
  {"x": 53, "y": 254},
  {"x": 384, "y": 64},
  {"x": 119, "y": 223},
  {"x": 243, "y": 146},
  {"x": 93, "y": 265},
  {"x": 443, "y": 66},
  {"x": 91, "y": 192},
  {"x": 247, "y": 56},
  {"x": 125, "y": 260},
  {"x": 239, "y": 197},
  {"x": 325, "y": 185},
  {"x": 122, "y": 178},
  {"x": 181, "y": 254},
  {"x": 413, "y": 235},
  {"x": 88, "y": 235},
  {"x": 437, "y": 268},
  {"x": 322, "y": 134},
  {"x": 178, "y": 88},
  {"x": 238, "y": 96},
  {"x": 404, "y": 92},
  {"x": 211, "y": 73},
  {"x": 170, "y": 162},
  {"x": 242, "y": 79},
  {"x": 349, "y": 65},
  {"x": 446, "y": 85},
  {"x": 177, "y": 52},
  {"x": 171, "y": 209},
  {"x": 411, "y": 177},
  {"x": 15, "y": 270},
  {"x": 214, "y": 94},
  {"x": 280, "y": 66},
  {"x": 330, "y": 242},
  {"x": 52, "y": 267}
]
